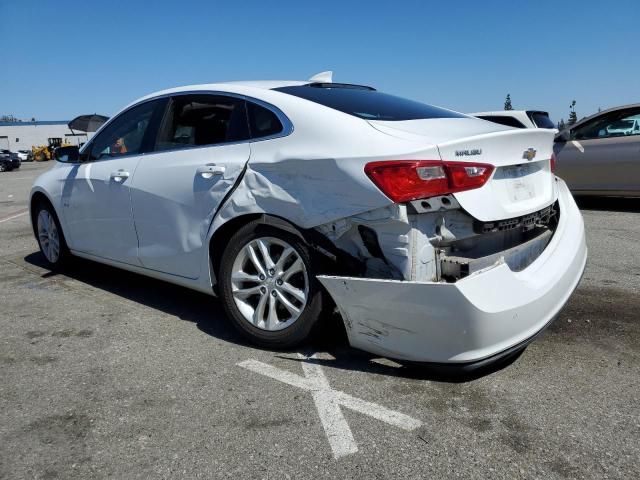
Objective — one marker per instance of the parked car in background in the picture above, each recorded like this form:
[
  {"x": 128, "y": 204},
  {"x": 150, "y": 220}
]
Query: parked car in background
[
  {"x": 25, "y": 155},
  {"x": 14, "y": 157},
  {"x": 600, "y": 155},
  {"x": 6, "y": 165},
  {"x": 440, "y": 237},
  {"x": 518, "y": 118}
]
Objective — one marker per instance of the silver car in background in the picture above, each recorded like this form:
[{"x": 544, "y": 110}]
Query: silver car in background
[{"x": 600, "y": 154}]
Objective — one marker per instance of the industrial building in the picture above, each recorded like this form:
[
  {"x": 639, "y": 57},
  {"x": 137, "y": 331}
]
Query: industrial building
[{"x": 16, "y": 136}]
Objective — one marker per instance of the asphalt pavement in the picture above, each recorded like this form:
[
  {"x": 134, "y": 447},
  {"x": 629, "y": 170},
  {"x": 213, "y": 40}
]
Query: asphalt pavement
[{"x": 108, "y": 374}]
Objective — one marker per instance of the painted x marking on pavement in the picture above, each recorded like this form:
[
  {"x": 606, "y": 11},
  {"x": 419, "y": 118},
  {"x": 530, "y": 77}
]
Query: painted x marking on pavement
[{"x": 329, "y": 402}]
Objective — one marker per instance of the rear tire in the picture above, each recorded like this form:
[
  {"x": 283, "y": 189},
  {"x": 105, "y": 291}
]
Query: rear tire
[
  {"x": 268, "y": 286},
  {"x": 50, "y": 237}
]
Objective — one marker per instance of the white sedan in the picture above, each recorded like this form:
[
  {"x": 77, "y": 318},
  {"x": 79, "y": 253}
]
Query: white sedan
[{"x": 440, "y": 237}]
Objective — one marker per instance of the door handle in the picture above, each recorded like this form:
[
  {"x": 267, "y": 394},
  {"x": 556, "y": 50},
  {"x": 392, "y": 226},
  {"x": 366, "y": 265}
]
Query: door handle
[
  {"x": 119, "y": 176},
  {"x": 209, "y": 170}
]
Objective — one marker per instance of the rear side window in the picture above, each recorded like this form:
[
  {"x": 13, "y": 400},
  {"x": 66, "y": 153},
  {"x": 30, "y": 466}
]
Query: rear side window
[
  {"x": 507, "y": 121},
  {"x": 367, "y": 103},
  {"x": 200, "y": 120},
  {"x": 618, "y": 123},
  {"x": 541, "y": 119},
  {"x": 262, "y": 121}
]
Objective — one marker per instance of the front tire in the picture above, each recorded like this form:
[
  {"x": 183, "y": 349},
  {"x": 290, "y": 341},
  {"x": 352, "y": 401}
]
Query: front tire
[
  {"x": 50, "y": 237},
  {"x": 268, "y": 286}
]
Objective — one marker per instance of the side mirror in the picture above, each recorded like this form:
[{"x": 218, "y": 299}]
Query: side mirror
[
  {"x": 563, "y": 136},
  {"x": 67, "y": 154}
]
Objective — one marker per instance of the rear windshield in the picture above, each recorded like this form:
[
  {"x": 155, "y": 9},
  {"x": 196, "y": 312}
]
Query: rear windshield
[
  {"x": 506, "y": 121},
  {"x": 367, "y": 103},
  {"x": 541, "y": 119}
]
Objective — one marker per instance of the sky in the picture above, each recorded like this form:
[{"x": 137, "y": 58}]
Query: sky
[{"x": 64, "y": 58}]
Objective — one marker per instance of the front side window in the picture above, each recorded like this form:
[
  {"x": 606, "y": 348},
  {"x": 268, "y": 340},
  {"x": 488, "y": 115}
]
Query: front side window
[
  {"x": 200, "y": 120},
  {"x": 367, "y": 103},
  {"x": 125, "y": 134},
  {"x": 616, "y": 124}
]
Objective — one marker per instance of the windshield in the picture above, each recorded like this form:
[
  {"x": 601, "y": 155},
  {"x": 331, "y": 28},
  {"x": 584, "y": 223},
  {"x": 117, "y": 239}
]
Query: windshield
[{"x": 367, "y": 103}]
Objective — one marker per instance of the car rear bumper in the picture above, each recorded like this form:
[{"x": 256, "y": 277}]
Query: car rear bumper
[{"x": 476, "y": 318}]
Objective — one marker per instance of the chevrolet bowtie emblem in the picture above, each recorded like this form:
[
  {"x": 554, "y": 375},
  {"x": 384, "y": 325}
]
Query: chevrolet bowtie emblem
[{"x": 529, "y": 154}]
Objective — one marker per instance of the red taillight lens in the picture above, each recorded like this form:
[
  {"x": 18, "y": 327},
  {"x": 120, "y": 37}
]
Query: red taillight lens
[
  {"x": 404, "y": 180},
  {"x": 552, "y": 162}
]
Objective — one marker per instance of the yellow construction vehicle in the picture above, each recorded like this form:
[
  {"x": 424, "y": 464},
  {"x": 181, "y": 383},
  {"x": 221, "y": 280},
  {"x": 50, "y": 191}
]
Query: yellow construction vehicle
[{"x": 42, "y": 153}]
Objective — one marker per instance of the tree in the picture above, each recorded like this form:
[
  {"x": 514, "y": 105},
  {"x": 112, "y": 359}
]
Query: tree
[
  {"x": 561, "y": 124},
  {"x": 8, "y": 118},
  {"x": 573, "y": 116},
  {"x": 507, "y": 103}
]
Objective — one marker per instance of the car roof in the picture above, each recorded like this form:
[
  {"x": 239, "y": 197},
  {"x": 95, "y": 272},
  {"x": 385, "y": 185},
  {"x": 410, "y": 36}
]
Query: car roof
[
  {"x": 248, "y": 88},
  {"x": 231, "y": 87},
  {"x": 267, "y": 84}
]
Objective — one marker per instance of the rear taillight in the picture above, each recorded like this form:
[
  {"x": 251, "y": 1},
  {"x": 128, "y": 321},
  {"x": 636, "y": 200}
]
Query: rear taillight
[
  {"x": 404, "y": 180},
  {"x": 552, "y": 162}
]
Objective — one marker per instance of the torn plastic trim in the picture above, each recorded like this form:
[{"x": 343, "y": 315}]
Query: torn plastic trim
[
  {"x": 543, "y": 216},
  {"x": 517, "y": 258},
  {"x": 379, "y": 239},
  {"x": 534, "y": 232},
  {"x": 398, "y": 242}
]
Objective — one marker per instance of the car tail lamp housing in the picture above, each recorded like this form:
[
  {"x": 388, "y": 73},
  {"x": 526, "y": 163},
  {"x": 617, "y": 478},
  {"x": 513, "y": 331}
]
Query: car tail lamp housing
[
  {"x": 552, "y": 163},
  {"x": 405, "y": 180}
]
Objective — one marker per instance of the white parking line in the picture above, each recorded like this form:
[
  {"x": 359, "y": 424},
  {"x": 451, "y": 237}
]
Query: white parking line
[
  {"x": 328, "y": 402},
  {"x": 15, "y": 215}
]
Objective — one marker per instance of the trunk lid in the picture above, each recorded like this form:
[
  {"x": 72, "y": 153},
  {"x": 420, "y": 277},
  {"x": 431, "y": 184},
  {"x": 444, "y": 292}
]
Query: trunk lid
[{"x": 522, "y": 182}]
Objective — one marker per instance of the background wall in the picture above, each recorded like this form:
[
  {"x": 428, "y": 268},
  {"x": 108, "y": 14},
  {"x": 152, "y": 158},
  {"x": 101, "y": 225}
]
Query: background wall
[{"x": 24, "y": 135}]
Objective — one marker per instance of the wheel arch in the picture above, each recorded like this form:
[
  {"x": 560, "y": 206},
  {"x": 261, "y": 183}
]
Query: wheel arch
[
  {"x": 332, "y": 260},
  {"x": 223, "y": 234},
  {"x": 38, "y": 197}
]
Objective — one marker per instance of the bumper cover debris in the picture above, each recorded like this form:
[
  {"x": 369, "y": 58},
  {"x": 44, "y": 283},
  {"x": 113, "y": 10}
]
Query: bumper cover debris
[{"x": 479, "y": 316}]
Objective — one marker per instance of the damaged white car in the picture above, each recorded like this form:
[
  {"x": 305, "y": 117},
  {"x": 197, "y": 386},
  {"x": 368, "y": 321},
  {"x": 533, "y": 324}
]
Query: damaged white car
[{"x": 440, "y": 237}]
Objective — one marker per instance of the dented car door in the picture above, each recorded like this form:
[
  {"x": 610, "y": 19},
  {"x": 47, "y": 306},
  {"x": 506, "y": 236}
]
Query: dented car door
[{"x": 201, "y": 149}]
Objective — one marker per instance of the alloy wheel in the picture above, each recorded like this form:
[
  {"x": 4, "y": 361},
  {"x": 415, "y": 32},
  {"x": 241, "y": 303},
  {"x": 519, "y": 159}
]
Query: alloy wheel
[
  {"x": 48, "y": 236},
  {"x": 269, "y": 283}
]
